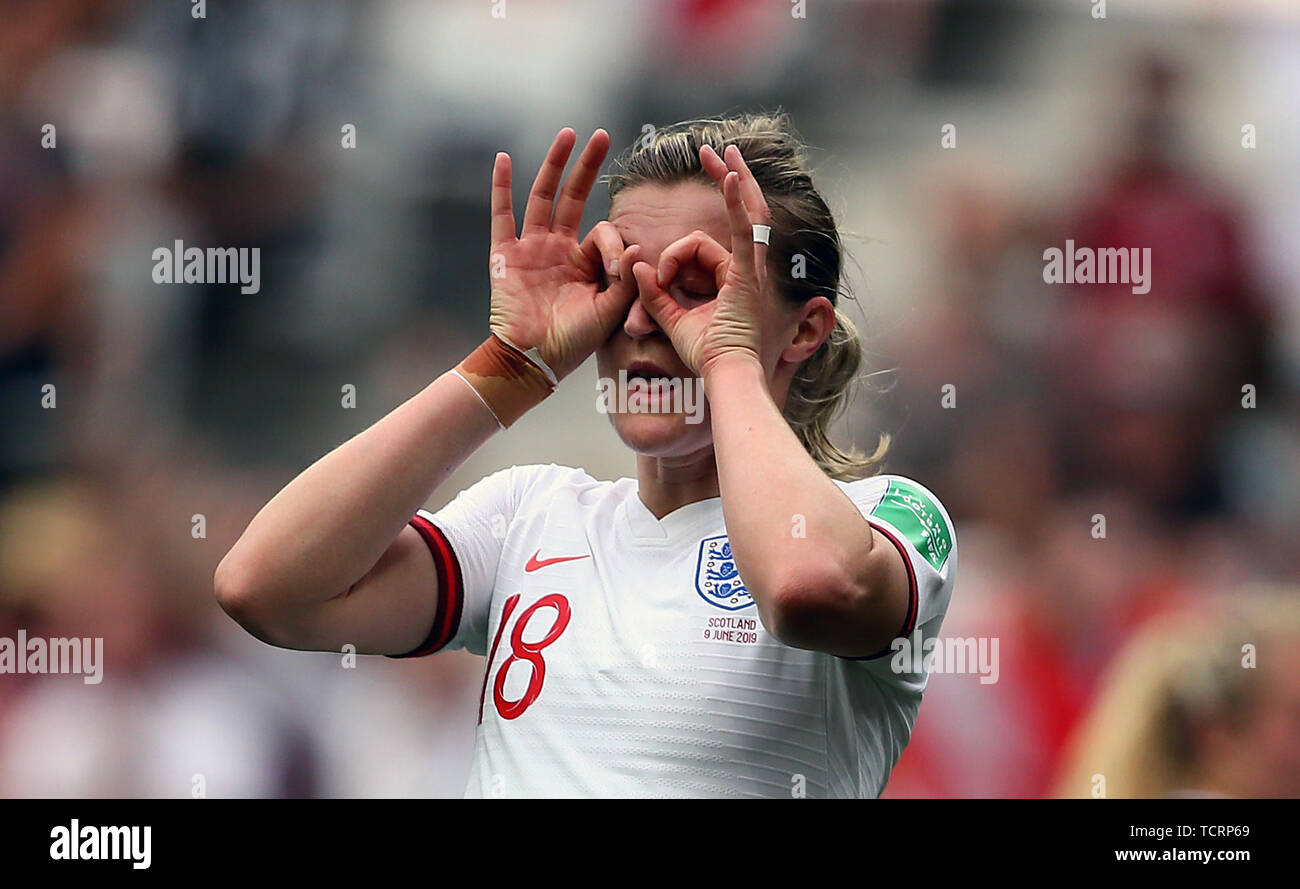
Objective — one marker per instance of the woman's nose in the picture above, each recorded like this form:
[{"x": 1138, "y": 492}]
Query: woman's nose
[{"x": 640, "y": 323}]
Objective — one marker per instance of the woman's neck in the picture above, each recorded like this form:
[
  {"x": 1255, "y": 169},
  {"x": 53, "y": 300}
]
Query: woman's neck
[{"x": 668, "y": 483}]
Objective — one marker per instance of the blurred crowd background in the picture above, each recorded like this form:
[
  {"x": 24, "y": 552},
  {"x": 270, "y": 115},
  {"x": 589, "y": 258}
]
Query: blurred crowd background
[{"x": 1173, "y": 414}]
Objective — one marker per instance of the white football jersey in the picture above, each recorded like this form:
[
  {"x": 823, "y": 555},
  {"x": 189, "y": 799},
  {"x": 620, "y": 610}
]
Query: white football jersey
[{"x": 625, "y": 656}]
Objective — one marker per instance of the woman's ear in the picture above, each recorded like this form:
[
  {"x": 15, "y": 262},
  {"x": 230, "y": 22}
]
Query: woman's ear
[{"x": 816, "y": 320}]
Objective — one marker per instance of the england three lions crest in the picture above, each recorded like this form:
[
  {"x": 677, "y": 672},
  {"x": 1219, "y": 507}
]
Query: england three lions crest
[{"x": 716, "y": 578}]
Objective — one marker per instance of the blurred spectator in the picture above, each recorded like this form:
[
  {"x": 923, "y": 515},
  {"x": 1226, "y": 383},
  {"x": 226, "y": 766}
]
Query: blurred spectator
[
  {"x": 1201, "y": 704},
  {"x": 1158, "y": 375}
]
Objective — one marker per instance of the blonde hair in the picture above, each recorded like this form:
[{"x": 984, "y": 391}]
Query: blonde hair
[
  {"x": 802, "y": 226},
  {"x": 1178, "y": 674}
]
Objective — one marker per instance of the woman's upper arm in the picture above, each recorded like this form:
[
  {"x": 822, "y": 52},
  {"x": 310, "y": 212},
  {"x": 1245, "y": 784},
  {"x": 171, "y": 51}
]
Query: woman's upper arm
[{"x": 387, "y": 611}]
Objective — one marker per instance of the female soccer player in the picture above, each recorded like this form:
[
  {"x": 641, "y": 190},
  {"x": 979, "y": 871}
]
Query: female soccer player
[{"x": 721, "y": 625}]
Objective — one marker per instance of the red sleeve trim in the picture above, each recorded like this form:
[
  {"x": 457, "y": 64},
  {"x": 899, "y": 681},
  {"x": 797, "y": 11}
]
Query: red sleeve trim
[
  {"x": 913, "y": 600},
  {"x": 451, "y": 598}
]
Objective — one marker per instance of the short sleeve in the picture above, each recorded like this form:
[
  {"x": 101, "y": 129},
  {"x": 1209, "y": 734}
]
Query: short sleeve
[
  {"x": 914, "y": 522},
  {"x": 465, "y": 538}
]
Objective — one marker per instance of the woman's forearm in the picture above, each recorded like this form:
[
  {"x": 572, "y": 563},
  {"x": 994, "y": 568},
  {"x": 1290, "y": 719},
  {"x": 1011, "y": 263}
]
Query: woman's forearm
[
  {"x": 781, "y": 510},
  {"x": 330, "y": 525},
  {"x": 808, "y": 558}
]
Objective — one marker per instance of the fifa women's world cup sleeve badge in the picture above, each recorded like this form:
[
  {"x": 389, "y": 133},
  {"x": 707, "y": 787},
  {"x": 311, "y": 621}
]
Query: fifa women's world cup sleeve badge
[{"x": 716, "y": 578}]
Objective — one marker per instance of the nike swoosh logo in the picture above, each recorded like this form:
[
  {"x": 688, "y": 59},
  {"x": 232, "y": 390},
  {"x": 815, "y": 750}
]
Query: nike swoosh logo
[{"x": 534, "y": 563}]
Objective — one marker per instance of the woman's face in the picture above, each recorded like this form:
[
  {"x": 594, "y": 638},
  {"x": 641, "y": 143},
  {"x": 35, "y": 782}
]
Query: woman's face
[{"x": 653, "y": 217}]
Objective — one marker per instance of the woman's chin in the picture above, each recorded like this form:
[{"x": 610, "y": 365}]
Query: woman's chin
[{"x": 660, "y": 435}]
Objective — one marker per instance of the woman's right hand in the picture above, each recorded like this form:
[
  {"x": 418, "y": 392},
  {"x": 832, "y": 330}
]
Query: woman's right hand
[{"x": 550, "y": 291}]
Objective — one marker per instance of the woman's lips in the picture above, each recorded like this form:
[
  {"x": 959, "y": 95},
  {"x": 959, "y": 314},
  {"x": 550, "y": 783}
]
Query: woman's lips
[
  {"x": 651, "y": 381},
  {"x": 649, "y": 369}
]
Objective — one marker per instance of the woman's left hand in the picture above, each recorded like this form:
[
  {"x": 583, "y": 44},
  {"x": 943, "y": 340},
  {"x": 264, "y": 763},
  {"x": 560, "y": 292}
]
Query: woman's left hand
[{"x": 731, "y": 324}]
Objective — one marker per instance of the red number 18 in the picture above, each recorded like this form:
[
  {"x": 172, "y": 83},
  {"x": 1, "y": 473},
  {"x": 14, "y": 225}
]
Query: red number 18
[{"x": 524, "y": 651}]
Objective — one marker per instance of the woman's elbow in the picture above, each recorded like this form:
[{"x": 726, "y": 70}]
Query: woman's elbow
[
  {"x": 803, "y": 606},
  {"x": 240, "y": 594}
]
